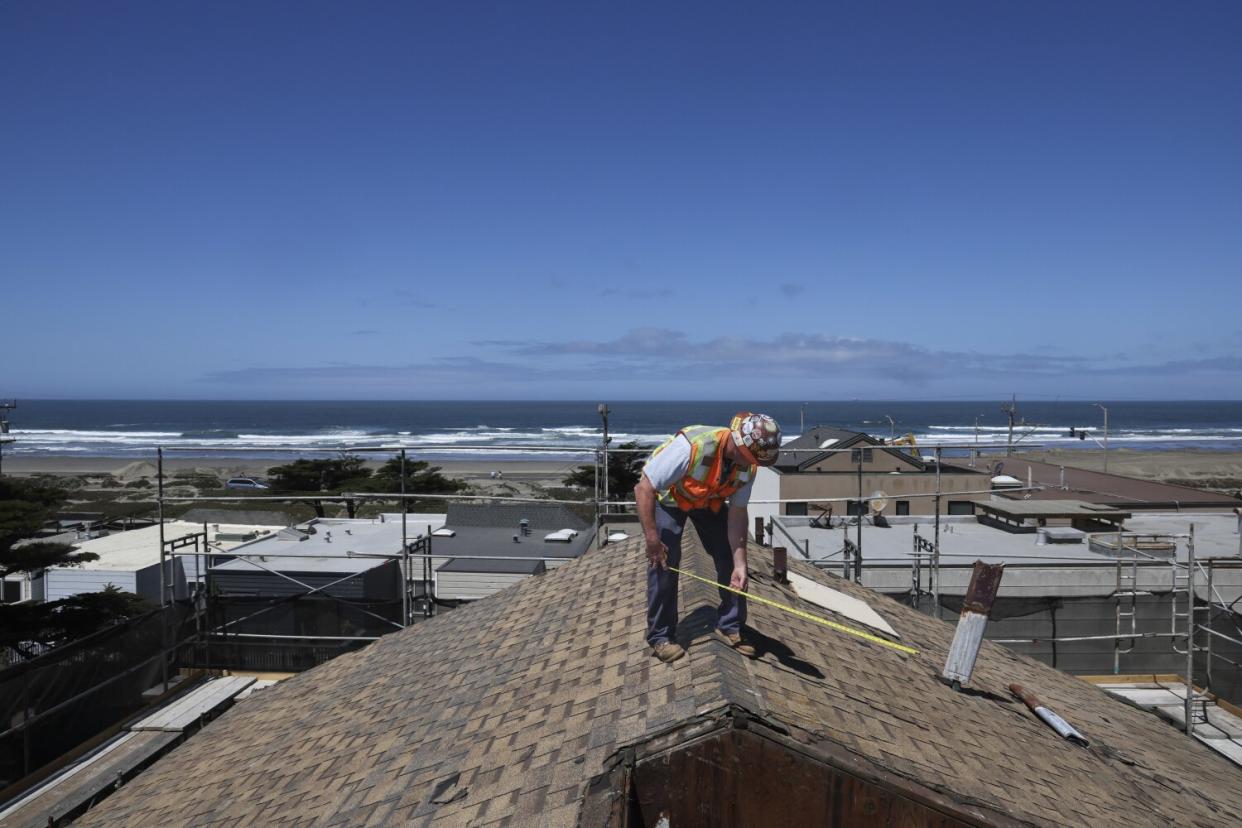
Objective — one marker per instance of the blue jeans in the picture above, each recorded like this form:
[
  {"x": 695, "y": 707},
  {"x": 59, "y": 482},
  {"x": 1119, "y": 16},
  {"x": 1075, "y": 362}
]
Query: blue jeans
[{"x": 713, "y": 529}]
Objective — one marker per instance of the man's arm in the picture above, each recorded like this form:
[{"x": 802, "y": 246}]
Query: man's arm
[
  {"x": 645, "y": 499},
  {"x": 739, "y": 517}
]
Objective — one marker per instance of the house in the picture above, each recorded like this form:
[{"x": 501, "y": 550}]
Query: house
[
  {"x": 1067, "y": 482},
  {"x": 542, "y": 705},
  {"x": 824, "y": 470},
  {"x": 339, "y": 557},
  {"x": 1066, "y": 592},
  {"x": 305, "y": 593},
  {"x": 484, "y": 548},
  {"x": 131, "y": 561}
]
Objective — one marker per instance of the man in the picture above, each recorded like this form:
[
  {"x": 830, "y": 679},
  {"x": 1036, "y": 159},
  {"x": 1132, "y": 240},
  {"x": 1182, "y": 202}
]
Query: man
[{"x": 693, "y": 475}]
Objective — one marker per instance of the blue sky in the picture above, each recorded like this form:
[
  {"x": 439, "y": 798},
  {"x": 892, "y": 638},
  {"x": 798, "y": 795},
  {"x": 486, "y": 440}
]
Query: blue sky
[{"x": 568, "y": 200}]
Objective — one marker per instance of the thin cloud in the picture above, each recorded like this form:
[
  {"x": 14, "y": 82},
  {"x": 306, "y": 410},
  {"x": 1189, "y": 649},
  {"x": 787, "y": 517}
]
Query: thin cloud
[
  {"x": 413, "y": 298},
  {"x": 650, "y": 354},
  {"x": 792, "y": 289},
  {"x": 639, "y": 294}
]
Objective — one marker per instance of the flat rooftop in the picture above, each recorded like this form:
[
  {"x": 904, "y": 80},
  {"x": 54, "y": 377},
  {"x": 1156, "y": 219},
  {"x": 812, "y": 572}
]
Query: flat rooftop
[
  {"x": 139, "y": 548},
  {"x": 490, "y": 540},
  {"x": 1045, "y": 509},
  {"x": 331, "y": 545},
  {"x": 1069, "y": 569}
]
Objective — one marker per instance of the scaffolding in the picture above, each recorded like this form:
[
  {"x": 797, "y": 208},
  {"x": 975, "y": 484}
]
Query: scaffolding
[
  {"x": 1189, "y": 632},
  {"x": 417, "y": 588},
  {"x": 1188, "y": 627}
]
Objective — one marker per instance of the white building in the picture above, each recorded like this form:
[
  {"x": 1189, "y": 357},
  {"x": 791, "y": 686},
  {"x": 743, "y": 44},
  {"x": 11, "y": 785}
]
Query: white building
[{"x": 130, "y": 561}]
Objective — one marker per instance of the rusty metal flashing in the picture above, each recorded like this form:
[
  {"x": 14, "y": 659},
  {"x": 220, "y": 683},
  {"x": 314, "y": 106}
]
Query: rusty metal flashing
[{"x": 984, "y": 584}]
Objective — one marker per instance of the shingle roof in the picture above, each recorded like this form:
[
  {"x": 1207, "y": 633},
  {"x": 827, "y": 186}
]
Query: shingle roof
[
  {"x": 501, "y": 712},
  {"x": 797, "y": 454}
]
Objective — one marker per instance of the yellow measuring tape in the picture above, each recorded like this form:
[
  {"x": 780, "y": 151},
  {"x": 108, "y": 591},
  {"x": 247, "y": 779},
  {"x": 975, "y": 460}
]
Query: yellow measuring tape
[{"x": 866, "y": 636}]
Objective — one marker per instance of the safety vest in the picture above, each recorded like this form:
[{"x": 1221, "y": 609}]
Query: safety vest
[{"x": 702, "y": 487}]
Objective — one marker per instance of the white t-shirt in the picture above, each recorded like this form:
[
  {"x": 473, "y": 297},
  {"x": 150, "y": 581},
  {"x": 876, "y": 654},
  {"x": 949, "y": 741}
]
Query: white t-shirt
[{"x": 671, "y": 465}]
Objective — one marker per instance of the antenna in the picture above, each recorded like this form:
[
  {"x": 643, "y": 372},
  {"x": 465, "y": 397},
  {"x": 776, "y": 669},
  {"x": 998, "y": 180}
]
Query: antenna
[{"x": 878, "y": 501}]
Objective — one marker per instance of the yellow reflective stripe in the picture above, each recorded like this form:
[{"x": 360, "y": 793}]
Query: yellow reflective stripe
[{"x": 866, "y": 636}]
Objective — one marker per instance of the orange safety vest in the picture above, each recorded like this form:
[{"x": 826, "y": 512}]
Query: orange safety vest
[{"x": 702, "y": 486}]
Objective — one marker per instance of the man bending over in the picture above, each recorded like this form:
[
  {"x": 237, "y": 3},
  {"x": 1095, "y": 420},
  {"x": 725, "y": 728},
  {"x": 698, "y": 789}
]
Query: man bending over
[{"x": 703, "y": 473}]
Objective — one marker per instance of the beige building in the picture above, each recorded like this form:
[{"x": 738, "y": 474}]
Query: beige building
[{"x": 826, "y": 468}]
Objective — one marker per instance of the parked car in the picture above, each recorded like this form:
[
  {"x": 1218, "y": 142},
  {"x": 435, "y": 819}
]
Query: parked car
[{"x": 245, "y": 483}]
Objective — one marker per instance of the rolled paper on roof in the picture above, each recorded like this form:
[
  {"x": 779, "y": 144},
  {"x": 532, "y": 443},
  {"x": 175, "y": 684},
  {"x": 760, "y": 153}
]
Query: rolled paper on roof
[{"x": 1063, "y": 728}]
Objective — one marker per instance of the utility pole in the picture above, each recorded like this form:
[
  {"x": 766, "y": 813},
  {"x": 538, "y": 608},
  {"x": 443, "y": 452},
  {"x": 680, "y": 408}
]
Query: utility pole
[
  {"x": 861, "y": 512},
  {"x": 604, "y": 412},
  {"x": 5, "y": 407},
  {"x": 1105, "y": 410},
  {"x": 802, "y": 419},
  {"x": 974, "y": 452},
  {"x": 1011, "y": 410}
]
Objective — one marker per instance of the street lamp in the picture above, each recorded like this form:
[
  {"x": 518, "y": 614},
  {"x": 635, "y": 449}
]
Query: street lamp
[
  {"x": 892, "y": 428},
  {"x": 1105, "y": 410}
]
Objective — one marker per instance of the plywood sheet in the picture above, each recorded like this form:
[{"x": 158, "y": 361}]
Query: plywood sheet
[
  {"x": 839, "y": 602},
  {"x": 191, "y": 707}
]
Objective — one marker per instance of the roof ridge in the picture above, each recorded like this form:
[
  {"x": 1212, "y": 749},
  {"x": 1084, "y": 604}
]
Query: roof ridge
[{"x": 714, "y": 662}]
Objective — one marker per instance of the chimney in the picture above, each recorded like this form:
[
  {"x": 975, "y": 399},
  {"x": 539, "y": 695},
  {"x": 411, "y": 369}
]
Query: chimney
[
  {"x": 759, "y": 529},
  {"x": 780, "y": 565},
  {"x": 980, "y": 596}
]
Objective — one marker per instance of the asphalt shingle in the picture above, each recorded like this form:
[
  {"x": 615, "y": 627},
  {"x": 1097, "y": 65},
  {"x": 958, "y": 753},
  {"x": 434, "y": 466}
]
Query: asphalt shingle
[{"x": 502, "y": 711}]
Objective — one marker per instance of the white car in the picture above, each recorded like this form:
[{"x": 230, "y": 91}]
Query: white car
[{"x": 245, "y": 483}]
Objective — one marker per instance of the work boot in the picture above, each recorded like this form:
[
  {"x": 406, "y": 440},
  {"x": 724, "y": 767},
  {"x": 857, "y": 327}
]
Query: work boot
[
  {"x": 737, "y": 643},
  {"x": 667, "y": 651}
]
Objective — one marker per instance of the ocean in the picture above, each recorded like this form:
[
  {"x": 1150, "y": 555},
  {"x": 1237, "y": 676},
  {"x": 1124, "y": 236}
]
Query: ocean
[{"x": 255, "y": 429}]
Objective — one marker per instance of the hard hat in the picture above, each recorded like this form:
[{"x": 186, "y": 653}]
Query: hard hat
[{"x": 759, "y": 434}]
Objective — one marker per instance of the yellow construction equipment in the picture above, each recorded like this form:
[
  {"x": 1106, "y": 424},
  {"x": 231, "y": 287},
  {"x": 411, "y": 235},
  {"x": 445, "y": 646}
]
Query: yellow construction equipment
[{"x": 907, "y": 439}]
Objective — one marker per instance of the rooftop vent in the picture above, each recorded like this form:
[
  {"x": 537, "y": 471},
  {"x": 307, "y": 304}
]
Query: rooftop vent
[
  {"x": 980, "y": 595},
  {"x": 560, "y": 536},
  {"x": 443, "y": 532}
]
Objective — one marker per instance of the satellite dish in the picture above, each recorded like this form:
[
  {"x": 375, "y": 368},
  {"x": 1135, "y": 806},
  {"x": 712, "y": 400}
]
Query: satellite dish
[{"x": 878, "y": 501}]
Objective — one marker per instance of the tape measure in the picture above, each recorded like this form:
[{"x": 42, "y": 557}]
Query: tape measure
[{"x": 865, "y": 636}]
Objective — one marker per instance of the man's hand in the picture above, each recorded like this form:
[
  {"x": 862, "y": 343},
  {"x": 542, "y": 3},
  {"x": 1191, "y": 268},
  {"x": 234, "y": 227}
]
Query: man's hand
[
  {"x": 657, "y": 553},
  {"x": 739, "y": 581}
]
